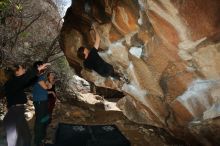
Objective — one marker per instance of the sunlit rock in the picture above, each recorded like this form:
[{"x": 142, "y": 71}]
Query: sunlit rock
[
  {"x": 208, "y": 61},
  {"x": 214, "y": 110},
  {"x": 167, "y": 50}
]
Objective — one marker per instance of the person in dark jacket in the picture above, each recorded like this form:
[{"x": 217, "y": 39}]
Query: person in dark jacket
[
  {"x": 93, "y": 61},
  {"x": 15, "y": 124}
]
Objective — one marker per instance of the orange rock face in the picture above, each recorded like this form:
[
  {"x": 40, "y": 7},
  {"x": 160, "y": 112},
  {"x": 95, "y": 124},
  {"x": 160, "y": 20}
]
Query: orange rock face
[
  {"x": 202, "y": 18},
  {"x": 164, "y": 29},
  {"x": 167, "y": 50}
]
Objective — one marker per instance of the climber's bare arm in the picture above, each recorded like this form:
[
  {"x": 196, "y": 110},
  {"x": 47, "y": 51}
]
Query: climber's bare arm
[{"x": 97, "y": 37}]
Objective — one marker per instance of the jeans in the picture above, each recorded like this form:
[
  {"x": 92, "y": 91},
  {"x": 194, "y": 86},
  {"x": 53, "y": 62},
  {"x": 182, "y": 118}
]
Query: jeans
[
  {"x": 41, "y": 121},
  {"x": 16, "y": 127}
]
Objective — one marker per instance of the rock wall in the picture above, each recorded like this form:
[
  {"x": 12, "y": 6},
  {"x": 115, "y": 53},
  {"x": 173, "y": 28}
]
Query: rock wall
[{"x": 167, "y": 49}]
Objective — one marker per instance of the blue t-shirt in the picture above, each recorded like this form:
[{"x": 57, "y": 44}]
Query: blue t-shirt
[{"x": 39, "y": 93}]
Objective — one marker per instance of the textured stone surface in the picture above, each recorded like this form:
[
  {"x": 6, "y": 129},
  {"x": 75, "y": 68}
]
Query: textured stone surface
[
  {"x": 207, "y": 60},
  {"x": 167, "y": 49},
  {"x": 207, "y": 132}
]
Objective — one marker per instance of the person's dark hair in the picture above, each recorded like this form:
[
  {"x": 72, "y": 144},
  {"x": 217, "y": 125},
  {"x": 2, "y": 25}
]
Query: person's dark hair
[
  {"x": 80, "y": 53},
  {"x": 51, "y": 72},
  {"x": 37, "y": 63},
  {"x": 15, "y": 67}
]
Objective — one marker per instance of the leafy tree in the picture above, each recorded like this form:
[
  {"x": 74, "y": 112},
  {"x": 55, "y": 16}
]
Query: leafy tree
[{"x": 14, "y": 25}]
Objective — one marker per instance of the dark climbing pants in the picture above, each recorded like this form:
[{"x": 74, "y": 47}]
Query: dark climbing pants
[{"x": 41, "y": 121}]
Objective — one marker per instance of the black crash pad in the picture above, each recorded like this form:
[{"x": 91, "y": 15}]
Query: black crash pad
[{"x": 89, "y": 135}]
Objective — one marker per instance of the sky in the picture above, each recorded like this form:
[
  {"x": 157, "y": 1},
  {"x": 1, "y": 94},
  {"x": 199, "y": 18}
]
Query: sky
[{"x": 62, "y": 6}]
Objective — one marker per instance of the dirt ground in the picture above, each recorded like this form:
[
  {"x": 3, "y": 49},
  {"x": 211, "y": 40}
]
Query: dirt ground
[
  {"x": 137, "y": 134},
  {"x": 75, "y": 112}
]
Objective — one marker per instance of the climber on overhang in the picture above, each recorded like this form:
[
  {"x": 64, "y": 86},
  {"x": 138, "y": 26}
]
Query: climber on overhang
[{"x": 93, "y": 61}]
